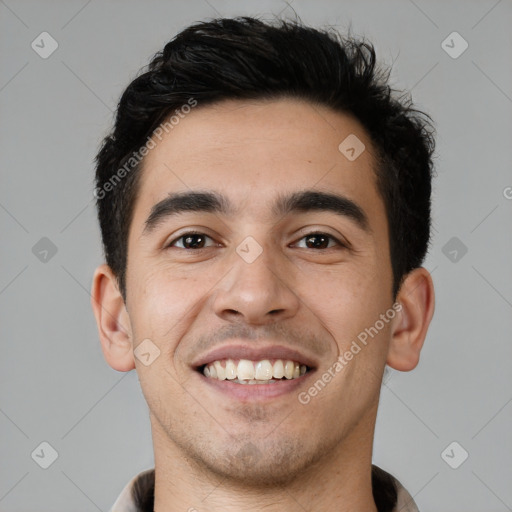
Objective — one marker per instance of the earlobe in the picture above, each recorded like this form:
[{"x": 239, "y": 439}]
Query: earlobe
[
  {"x": 112, "y": 320},
  {"x": 416, "y": 297}
]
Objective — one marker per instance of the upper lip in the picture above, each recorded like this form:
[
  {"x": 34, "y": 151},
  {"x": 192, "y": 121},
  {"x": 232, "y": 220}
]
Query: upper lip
[{"x": 254, "y": 353}]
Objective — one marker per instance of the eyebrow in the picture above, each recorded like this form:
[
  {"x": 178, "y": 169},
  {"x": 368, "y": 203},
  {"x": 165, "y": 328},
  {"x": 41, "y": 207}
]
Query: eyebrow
[{"x": 216, "y": 203}]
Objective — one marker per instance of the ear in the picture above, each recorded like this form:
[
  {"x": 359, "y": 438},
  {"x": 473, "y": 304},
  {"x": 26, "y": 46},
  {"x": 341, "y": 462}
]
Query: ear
[
  {"x": 416, "y": 297},
  {"x": 112, "y": 319}
]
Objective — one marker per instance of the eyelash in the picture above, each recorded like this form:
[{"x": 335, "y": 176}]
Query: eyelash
[{"x": 317, "y": 233}]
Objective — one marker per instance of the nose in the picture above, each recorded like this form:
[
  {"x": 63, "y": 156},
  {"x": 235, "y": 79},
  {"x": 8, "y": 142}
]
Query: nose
[{"x": 258, "y": 293}]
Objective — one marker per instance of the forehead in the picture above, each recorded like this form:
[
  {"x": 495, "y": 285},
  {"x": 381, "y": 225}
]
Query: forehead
[{"x": 252, "y": 151}]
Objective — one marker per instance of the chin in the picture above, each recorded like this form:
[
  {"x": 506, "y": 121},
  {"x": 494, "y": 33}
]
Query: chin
[{"x": 261, "y": 464}]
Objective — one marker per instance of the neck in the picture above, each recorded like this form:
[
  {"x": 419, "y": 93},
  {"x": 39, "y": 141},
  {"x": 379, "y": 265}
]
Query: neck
[{"x": 338, "y": 482}]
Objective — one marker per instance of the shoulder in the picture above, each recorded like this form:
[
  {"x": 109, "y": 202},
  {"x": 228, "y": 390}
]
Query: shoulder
[
  {"x": 136, "y": 493},
  {"x": 389, "y": 494}
]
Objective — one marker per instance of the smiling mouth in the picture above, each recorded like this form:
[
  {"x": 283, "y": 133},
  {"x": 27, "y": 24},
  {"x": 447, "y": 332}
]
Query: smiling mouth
[{"x": 245, "y": 371}]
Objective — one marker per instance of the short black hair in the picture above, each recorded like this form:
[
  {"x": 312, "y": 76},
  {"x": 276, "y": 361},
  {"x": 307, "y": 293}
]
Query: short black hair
[{"x": 245, "y": 58}]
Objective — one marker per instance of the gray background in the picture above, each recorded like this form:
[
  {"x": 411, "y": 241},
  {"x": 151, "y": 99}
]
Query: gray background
[{"x": 56, "y": 386}]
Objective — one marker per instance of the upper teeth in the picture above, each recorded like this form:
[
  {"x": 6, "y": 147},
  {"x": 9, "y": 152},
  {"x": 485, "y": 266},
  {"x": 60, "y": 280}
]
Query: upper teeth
[{"x": 246, "y": 370}]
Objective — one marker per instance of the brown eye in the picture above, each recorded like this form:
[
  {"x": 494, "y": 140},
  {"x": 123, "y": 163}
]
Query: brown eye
[
  {"x": 320, "y": 241},
  {"x": 190, "y": 241},
  {"x": 317, "y": 241}
]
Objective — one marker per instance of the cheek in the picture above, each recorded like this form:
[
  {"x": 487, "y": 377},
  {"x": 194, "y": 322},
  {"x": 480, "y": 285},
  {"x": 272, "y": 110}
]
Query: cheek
[
  {"x": 348, "y": 302},
  {"x": 162, "y": 299}
]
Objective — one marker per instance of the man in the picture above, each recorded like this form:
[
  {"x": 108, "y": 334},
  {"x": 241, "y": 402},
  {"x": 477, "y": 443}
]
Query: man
[{"x": 264, "y": 202}]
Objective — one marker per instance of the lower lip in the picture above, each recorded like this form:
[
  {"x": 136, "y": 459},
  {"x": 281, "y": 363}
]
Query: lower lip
[{"x": 248, "y": 392}]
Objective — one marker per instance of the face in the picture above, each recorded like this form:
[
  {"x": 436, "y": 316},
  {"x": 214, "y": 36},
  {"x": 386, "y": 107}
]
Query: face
[{"x": 258, "y": 269}]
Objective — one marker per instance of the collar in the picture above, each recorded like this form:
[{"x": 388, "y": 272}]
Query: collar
[{"x": 388, "y": 492}]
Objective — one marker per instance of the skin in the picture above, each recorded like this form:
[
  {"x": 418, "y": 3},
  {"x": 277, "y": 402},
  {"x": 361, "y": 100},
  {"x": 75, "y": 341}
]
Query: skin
[{"x": 316, "y": 300}]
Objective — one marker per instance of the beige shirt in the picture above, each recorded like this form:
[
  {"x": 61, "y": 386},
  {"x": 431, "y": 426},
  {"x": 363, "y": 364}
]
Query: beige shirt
[{"x": 126, "y": 502}]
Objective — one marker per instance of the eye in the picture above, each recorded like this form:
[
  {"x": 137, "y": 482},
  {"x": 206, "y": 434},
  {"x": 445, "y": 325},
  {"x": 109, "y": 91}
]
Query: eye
[
  {"x": 190, "y": 240},
  {"x": 318, "y": 240}
]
